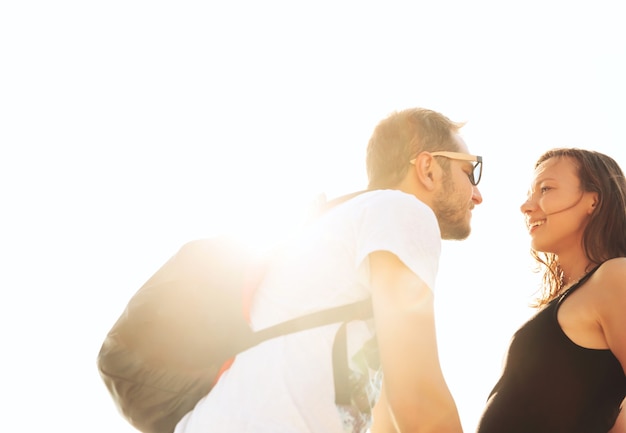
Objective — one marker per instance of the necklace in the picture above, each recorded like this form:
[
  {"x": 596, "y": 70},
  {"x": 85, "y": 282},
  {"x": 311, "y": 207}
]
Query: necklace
[{"x": 571, "y": 282}]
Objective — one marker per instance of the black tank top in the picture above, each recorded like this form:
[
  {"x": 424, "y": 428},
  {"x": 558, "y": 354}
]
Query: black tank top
[{"x": 551, "y": 385}]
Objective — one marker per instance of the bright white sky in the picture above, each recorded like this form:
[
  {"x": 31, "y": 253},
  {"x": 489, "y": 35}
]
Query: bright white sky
[{"x": 130, "y": 127}]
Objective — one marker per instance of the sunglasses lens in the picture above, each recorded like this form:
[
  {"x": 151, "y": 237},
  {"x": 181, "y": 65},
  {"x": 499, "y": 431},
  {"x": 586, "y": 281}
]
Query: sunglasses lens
[{"x": 476, "y": 173}]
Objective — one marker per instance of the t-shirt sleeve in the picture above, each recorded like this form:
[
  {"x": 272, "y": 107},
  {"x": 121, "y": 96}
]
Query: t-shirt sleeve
[{"x": 401, "y": 224}]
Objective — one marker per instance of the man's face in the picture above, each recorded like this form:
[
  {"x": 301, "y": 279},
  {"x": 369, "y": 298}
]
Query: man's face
[{"x": 456, "y": 198}]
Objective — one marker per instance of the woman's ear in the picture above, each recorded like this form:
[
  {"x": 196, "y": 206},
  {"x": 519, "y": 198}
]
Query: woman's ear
[
  {"x": 426, "y": 170},
  {"x": 593, "y": 204}
]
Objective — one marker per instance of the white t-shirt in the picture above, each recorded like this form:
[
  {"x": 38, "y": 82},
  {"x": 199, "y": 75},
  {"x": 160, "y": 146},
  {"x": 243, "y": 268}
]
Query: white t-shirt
[{"x": 285, "y": 385}]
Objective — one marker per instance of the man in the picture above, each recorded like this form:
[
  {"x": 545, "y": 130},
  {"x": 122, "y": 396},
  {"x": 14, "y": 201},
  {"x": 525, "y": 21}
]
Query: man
[{"x": 384, "y": 244}]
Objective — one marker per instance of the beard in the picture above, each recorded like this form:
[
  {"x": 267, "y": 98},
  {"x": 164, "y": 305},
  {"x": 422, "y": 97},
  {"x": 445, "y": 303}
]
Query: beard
[{"x": 451, "y": 212}]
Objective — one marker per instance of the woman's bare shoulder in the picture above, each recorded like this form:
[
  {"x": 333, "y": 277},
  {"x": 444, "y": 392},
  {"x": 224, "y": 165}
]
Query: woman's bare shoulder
[{"x": 609, "y": 283}]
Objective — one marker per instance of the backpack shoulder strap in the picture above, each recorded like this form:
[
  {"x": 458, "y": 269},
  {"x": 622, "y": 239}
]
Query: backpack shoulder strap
[
  {"x": 360, "y": 310},
  {"x": 329, "y": 204}
]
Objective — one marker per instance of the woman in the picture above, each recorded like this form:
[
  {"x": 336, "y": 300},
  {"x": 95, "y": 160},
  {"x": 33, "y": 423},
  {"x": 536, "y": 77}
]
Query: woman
[{"x": 564, "y": 371}]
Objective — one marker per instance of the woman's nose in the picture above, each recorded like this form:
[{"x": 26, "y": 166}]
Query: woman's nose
[{"x": 526, "y": 206}]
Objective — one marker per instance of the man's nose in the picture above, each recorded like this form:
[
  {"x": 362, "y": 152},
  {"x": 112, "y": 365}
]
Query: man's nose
[{"x": 477, "y": 197}]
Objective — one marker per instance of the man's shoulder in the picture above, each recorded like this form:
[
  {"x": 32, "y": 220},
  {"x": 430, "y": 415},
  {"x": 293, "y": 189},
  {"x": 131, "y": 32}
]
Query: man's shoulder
[
  {"x": 390, "y": 196},
  {"x": 396, "y": 200}
]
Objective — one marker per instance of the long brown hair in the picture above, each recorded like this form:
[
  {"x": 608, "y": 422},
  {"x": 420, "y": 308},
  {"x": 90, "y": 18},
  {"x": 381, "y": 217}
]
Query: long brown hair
[{"x": 604, "y": 236}]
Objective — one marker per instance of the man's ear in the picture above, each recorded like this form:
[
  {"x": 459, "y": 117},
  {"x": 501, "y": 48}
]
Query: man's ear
[{"x": 427, "y": 170}]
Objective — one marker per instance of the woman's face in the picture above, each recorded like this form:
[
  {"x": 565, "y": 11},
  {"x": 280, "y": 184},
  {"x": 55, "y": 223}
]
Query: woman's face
[{"x": 557, "y": 210}]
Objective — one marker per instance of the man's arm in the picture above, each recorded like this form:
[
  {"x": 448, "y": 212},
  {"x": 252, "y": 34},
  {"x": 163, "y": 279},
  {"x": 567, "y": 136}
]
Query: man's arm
[{"x": 415, "y": 397}]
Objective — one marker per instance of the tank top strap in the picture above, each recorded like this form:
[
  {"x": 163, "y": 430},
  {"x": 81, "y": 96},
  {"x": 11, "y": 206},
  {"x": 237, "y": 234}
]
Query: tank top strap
[{"x": 578, "y": 284}]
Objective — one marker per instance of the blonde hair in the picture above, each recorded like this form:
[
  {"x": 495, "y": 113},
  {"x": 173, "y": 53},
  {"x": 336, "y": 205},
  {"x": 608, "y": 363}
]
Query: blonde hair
[{"x": 402, "y": 136}]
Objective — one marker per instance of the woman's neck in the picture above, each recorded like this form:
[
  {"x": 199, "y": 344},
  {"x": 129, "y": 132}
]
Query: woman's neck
[{"x": 573, "y": 273}]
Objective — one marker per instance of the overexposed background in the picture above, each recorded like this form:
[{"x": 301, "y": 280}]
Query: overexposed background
[{"x": 130, "y": 127}]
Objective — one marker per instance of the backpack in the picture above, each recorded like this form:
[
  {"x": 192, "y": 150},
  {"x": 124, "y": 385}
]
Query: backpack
[{"x": 184, "y": 326}]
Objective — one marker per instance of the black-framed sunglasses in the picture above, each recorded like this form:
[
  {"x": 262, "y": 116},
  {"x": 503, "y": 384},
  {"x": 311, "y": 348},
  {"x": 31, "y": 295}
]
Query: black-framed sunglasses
[{"x": 477, "y": 171}]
